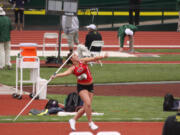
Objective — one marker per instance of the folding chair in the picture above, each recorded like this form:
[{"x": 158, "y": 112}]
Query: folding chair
[
  {"x": 27, "y": 59},
  {"x": 96, "y": 47},
  {"x": 50, "y": 40}
]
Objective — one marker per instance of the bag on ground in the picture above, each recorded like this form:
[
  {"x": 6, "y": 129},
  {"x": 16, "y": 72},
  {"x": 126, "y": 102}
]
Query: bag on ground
[
  {"x": 73, "y": 102},
  {"x": 170, "y": 103},
  {"x": 52, "y": 107},
  {"x": 51, "y": 104}
]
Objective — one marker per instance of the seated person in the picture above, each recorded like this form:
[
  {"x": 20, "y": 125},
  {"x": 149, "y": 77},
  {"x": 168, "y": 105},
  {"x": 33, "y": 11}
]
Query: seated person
[{"x": 92, "y": 35}]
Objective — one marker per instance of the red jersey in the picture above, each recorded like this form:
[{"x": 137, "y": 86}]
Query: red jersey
[{"x": 82, "y": 73}]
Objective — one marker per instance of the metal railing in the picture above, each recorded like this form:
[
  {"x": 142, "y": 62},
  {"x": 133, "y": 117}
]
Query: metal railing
[{"x": 95, "y": 15}]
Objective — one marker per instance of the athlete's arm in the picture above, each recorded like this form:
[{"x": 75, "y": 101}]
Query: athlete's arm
[
  {"x": 97, "y": 58},
  {"x": 65, "y": 73}
]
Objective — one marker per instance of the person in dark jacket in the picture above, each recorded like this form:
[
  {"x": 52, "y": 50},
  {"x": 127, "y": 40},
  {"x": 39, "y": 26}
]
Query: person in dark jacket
[
  {"x": 93, "y": 34},
  {"x": 134, "y": 7},
  {"x": 5, "y": 29},
  {"x": 18, "y": 11},
  {"x": 172, "y": 125}
]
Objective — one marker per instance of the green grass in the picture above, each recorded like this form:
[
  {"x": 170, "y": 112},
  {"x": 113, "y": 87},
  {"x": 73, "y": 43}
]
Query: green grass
[
  {"x": 110, "y": 73},
  {"x": 115, "y": 108},
  {"x": 167, "y": 57}
]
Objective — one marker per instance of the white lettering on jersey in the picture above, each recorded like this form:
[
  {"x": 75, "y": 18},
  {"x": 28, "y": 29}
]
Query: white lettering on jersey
[{"x": 80, "y": 69}]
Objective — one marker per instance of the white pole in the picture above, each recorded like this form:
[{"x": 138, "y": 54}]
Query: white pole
[{"x": 41, "y": 89}]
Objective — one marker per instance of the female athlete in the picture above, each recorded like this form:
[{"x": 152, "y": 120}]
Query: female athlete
[{"x": 84, "y": 86}]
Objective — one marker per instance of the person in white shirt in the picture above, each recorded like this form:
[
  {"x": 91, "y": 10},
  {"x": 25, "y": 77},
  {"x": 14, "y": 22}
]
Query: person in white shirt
[{"x": 70, "y": 25}]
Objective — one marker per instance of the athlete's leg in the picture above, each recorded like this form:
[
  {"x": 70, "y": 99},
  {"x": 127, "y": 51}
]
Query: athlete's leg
[
  {"x": 82, "y": 110},
  {"x": 87, "y": 99}
]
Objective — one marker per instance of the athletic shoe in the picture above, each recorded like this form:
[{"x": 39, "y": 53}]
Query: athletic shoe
[
  {"x": 72, "y": 123},
  {"x": 93, "y": 126}
]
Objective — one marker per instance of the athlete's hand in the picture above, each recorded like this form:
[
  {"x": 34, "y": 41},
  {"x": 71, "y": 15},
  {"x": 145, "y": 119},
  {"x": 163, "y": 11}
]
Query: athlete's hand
[{"x": 53, "y": 77}]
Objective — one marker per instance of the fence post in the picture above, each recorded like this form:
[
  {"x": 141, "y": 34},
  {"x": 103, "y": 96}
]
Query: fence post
[
  {"x": 112, "y": 18},
  {"x": 162, "y": 18}
]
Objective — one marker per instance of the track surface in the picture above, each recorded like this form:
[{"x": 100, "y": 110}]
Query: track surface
[
  {"x": 60, "y": 128},
  {"x": 10, "y": 106}
]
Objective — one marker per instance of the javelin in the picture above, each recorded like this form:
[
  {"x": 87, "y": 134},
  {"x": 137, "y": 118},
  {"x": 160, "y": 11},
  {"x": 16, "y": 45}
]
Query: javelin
[{"x": 41, "y": 89}]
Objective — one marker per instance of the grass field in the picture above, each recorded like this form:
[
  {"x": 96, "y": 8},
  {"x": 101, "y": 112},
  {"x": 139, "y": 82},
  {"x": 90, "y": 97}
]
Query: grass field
[
  {"x": 114, "y": 108},
  {"x": 110, "y": 73}
]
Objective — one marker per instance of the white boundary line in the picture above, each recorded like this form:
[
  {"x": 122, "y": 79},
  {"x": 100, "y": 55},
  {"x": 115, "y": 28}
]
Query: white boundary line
[
  {"x": 114, "y": 46},
  {"x": 128, "y": 83},
  {"x": 64, "y": 53},
  {"x": 138, "y": 122}
]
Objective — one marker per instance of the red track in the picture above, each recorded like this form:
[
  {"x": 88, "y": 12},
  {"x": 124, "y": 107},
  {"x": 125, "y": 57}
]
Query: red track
[
  {"x": 109, "y": 37},
  {"x": 62, "y": 128}
]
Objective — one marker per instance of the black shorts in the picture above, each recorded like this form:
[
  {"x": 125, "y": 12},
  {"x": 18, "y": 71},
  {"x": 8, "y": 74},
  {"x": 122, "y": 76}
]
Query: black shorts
[{"x": 89, "y": 87}]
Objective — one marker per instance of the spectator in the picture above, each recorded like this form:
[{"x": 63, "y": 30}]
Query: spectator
[
  {"x": 92, "y": 35},
  {"x": 178, "y": 8},
  {"x": 70, "y": 25},
  {"x": 134, "y": 7},
  {"x": 5, "y": 29},
  {"x": 19, "y": 12},
  {"x": 127, "y": 30},
  {"x": 172, "y": 125}
]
